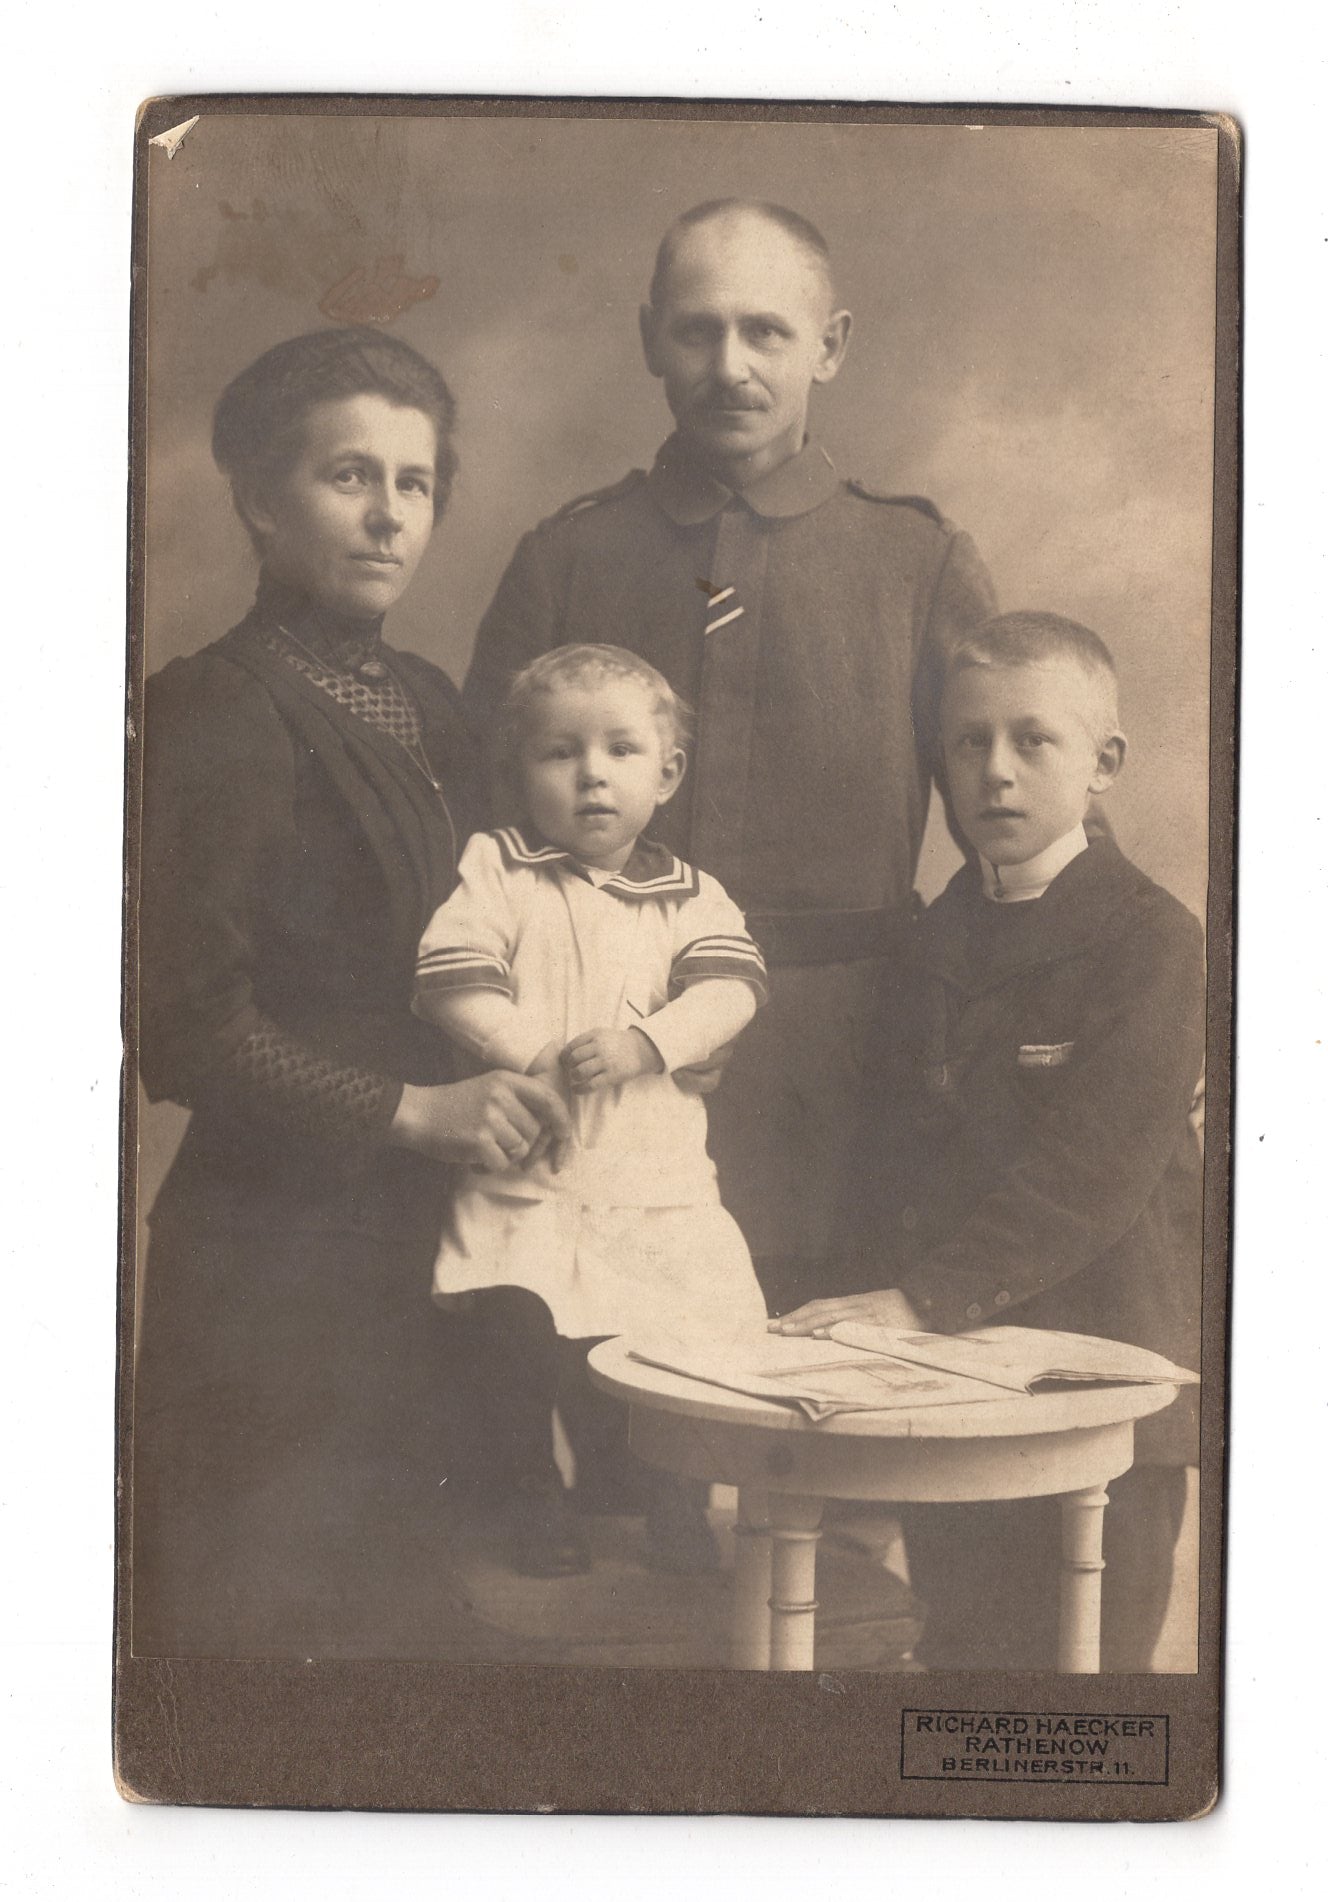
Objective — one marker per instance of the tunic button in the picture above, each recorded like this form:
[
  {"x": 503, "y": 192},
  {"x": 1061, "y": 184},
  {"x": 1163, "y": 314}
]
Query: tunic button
[
  {"x": 973, "y": 1312},
  {"x": 1002, "y": 1299},
  {"x": 909, "y": 1218}
]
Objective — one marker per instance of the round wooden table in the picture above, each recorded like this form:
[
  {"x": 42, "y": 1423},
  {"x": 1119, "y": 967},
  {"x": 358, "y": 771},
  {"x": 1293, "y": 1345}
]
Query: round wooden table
[{"x": 785, "y": 1468}]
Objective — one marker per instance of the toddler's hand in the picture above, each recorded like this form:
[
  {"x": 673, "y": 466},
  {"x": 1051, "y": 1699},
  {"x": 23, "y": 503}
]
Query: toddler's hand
[{"x": 598, "y": 1059}]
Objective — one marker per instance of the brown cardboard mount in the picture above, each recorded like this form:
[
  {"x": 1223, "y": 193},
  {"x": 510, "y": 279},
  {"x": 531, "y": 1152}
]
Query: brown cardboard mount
[{"x": 1048, "y": 332}]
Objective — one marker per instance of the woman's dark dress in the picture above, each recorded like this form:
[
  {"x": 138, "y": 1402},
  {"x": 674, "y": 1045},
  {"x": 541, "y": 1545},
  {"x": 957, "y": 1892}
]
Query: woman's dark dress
[{"x": 296, "y": 1409}]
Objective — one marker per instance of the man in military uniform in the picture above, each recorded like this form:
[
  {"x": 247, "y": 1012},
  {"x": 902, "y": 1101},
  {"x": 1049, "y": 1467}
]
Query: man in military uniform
[{"x": 803, "y": 617}]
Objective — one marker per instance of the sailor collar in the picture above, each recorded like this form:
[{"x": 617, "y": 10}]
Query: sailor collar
[
  {"x": 689, "y": 494},
  {"x": 651, "y": 872}
]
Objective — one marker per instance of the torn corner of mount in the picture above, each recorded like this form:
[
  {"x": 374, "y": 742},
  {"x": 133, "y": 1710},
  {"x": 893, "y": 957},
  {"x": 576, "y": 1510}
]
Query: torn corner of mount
[{"x": 171, "y": 141}]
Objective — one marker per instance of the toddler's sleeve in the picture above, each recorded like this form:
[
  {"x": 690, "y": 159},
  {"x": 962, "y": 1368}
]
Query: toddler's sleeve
[
  {"x": 467, "y": 943},
  {"x": 716, "y": 980},
  {"x": 711, "y": 940},
  {"x": 463, "y": 973}
]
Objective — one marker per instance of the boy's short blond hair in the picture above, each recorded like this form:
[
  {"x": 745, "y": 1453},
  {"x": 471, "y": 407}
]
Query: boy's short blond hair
[
  {"x": 1034, "y": 639},
  {"x": 586, "y": 663}
]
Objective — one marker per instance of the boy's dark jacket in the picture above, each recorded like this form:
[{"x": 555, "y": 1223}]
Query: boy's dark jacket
[{"x": 1034, "y": 1159}]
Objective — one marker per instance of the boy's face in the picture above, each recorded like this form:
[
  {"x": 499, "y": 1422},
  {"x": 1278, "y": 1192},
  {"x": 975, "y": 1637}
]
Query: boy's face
[
  {"x": 350, "y": 519},
  {"x": 593, "y": 765},
  {"x": 1021, "y": 756}
]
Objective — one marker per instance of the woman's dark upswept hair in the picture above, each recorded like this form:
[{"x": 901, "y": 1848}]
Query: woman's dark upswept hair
[{"x": 257, "y": 426}]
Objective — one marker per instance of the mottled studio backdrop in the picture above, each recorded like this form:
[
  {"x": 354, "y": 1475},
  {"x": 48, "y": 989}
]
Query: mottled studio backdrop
[{"x": 1033, "y": 349}]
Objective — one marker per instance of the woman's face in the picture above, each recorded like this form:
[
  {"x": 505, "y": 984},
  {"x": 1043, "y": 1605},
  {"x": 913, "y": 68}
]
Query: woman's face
[{"x": 352, "y": 516}]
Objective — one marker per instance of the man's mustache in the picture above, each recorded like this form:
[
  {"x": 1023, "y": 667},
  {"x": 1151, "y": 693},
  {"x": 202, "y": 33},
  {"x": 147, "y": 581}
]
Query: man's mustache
[{"x": 732, "y": 400}]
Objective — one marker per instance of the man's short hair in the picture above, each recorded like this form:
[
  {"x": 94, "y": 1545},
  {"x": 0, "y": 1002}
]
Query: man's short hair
[
  {"x": 586, "y": 664},
  {"x": 801, "y": 230},
  {"x": 1031, "y": 639}
]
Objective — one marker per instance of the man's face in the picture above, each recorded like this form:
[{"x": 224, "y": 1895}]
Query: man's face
[
  {"x": 742, "y": 331},
  {"x": 1021, "y": 755}
]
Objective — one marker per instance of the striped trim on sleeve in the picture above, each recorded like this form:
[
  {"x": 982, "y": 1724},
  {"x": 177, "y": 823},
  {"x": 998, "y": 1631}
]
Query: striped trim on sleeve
[
  {"x": 460, "y": 967},
  {"x": 720, "y": 954}
]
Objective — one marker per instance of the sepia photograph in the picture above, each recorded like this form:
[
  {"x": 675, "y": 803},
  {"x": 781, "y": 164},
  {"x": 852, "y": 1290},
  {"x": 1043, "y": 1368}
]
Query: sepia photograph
[{"x": 678, "y": 956}]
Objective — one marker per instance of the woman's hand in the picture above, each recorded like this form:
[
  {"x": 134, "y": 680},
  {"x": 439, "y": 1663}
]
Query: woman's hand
[
  {"x": 888, "y": 1307},
  {"x": 549, "y": 1062},
  {"x": 489, "y": 1122}
]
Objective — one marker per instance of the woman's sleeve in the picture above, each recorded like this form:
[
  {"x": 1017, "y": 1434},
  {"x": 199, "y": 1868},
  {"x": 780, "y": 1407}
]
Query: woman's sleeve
[
  {"x": 1096, "y": 1158},
  {"x": 463, "y": 974},
  {"x": 282, "y": 1078},
  {"x": 718, "y": 975},
  {"x": 218, "y": 826}
]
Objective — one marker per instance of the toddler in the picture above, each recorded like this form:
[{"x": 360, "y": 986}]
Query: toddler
[{"x": 576, "y": 950}]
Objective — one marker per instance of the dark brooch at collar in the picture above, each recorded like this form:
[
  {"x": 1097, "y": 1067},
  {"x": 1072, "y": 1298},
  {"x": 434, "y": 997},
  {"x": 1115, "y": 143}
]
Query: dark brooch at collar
[
  {"x": 652, "y": 871},
  {"x": 330, "y": 640},
  {"x": 689, "y": 494}
]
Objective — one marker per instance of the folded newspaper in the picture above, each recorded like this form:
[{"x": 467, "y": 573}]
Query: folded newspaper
[{"x": 858, "y": 1368}]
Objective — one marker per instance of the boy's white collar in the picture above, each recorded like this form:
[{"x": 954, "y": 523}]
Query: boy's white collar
[{"x": 1012, "y": 884}]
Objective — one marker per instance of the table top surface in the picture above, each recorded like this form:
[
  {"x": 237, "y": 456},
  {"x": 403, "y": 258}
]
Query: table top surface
[{"x": 613, "y": 1369}]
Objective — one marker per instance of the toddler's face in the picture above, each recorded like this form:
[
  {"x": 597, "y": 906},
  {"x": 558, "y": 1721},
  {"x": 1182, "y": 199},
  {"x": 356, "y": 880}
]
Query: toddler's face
[
  {"x": 593, "y": 765},
  {"x": 1021, "y": 757},
  {"x": 351, "y": 518}
]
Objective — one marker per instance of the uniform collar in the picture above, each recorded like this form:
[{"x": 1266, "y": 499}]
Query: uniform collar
[
  {"x": 1018, "y": 884},
  {"x": 689, "y": 494},
  {"x": 652, "y": 871}
]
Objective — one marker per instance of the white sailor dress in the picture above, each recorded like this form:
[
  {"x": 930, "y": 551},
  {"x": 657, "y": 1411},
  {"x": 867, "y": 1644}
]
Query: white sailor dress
[{"x": 629, "y": 1237}]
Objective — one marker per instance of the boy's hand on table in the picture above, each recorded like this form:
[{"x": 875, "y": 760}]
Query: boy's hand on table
[
  {"x": 598, "y": 1059},
  {"x": 699, "y": 1079},
  {"x": 887, "y": 1307}
]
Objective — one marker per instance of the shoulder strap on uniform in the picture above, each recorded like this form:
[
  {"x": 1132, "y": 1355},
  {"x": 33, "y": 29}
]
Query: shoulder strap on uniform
[
  {"x": 582, "y": 504},
  {"x": 918, "y": 502}
]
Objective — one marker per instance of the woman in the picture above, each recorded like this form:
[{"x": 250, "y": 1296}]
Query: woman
[{"x": 306, "y": 791}]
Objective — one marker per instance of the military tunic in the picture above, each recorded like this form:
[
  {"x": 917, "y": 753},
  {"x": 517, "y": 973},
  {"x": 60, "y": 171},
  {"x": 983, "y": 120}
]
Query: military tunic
[{"x": 805, "y": 620}]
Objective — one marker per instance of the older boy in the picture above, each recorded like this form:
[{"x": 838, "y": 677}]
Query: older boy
[{"x": 1038, "y": 1165}]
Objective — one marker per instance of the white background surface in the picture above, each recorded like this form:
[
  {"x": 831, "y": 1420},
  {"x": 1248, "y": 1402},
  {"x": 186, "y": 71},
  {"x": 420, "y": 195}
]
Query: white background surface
[{"x": 68, "y": 127}]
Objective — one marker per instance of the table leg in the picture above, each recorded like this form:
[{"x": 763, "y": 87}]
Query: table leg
[
  {"x": 1081, "y": 1580},
  {"x": 795, "y": 1526},
  {"x": 750, "y": 1642}
]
